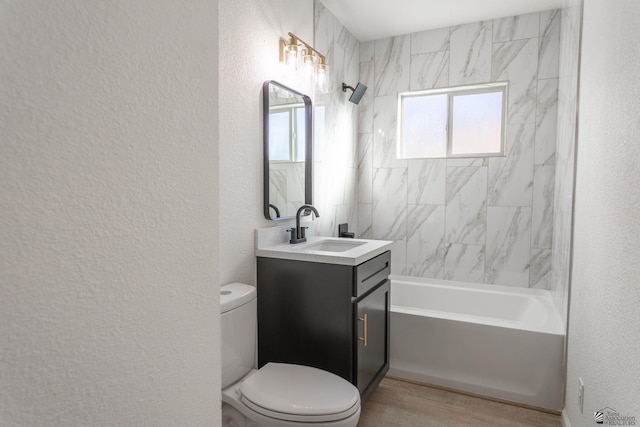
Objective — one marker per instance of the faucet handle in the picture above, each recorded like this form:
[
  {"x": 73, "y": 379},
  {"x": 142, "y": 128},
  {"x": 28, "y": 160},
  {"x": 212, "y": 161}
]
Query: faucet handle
[{"x": 343, "y": 231}]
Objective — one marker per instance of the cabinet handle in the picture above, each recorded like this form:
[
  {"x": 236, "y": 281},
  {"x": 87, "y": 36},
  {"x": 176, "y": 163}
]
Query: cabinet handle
[{"x": 364, "y": 320}]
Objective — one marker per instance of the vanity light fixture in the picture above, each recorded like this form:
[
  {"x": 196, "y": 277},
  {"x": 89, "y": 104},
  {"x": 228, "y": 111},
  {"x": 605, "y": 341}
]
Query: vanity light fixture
[{"x": 300, "y": 56}]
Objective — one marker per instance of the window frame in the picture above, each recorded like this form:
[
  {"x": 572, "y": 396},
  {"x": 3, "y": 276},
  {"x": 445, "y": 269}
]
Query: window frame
[{"x": 452, "y": 92}]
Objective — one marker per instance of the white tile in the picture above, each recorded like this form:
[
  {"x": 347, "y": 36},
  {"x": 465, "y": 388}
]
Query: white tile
[
  {"x": 470, "y": 161},
  {"x": 338, "y": 181},
  {"x": 429, "y": 70},
  {"x": 319, "y": 133},
  {"x": 367, "y": 51},
  {"x": 365, "y": 107},
  {"x": 326, "y": 223},
  {"x": 425, "y": 241},
  {"x": 365, "y": 168},
  {"x": 365, "y": 185},
  {"x": 516, "y": 62},
  {"x": 516, "y": 27},
  {"x": 339, "y": 59},
  {"x": 350, "y": 186},
  {"x": 398, "y": 257},
  {"x": 470, "y": 50},
  {"x": 540, "y": 269},
  {"x": 546, "y": 122},
  {"x": 466, "y": 205},
  {"x": 464, "y": 263},
  {"x": 344, "y": 39},
  {"x": 363, "y": 231},
  {"x": 341, "y": 139},
  {"x": 324, "y": 34},
  {"x": 548, "y": 65},
  {"x": 570, "y": 22},
  {"x": 385, "y": 114},
  {"x": 342, "y": 216},
  {"x": 352, "y": 216},
  {"x": 430, "y": 41},
  {"x": 389, "y": 203},
  {"x": 328, "y": 186},
  {"x": 392, "y": 65},
  {"x": 508, "y": 246},
  {"x": 427, "y": 181},
  {"x": 542, "y": 214},
  {"x": 511, "y": 177},
  {"x": 567, "y": 113},
  {"x": 365, "y": 155},
  {"x": 346, "y": 62}
]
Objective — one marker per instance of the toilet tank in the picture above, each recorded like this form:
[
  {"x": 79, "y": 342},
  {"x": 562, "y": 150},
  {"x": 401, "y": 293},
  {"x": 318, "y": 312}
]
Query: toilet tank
[{"x": 238, "y": 306}]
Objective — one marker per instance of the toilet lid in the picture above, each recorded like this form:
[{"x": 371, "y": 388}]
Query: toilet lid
[{"x": 299, "y": 393}]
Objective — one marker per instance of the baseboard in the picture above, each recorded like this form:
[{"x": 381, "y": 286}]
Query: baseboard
[{"x": 565, "y": 418}]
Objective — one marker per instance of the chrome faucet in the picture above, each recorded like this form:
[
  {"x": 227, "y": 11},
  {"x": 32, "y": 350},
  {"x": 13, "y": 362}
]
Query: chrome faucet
[{"x": 298, "y": 233}]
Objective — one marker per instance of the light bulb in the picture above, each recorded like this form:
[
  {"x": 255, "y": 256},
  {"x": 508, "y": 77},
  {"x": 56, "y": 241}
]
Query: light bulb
[
  {"x": 322, "y": 78},
  {"x": 292, "y": 56},
  {"x": 309, "y": 63}
]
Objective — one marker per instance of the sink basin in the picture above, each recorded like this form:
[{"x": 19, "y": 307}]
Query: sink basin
[
  {"x": 322, "y": 249},
  {"x": 330, "y": 246}
]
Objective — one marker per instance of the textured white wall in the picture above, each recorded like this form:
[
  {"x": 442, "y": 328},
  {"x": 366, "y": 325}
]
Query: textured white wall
[
  {"x": 604, "y": 318},
  {"x": 249, "y": 34},
  {"x": 108, "y": 213}
]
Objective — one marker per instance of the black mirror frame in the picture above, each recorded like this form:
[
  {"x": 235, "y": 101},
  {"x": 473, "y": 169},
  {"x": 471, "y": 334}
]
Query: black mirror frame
[{"x": 308, "y": 168}]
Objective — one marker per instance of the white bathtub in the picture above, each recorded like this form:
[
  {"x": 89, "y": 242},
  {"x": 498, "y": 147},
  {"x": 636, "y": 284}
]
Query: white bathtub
[{"x": 497, "y": 341}]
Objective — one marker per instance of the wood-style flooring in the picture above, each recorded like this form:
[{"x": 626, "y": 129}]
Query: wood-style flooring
[{"x": 400, "y": 403}]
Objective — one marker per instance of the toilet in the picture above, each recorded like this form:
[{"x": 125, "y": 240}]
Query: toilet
[{"x": 278, "y": 394}]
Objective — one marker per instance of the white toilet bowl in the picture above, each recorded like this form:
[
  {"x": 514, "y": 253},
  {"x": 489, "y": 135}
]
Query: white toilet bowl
[
  {"x": 278, "y": 394},
  {"x": 291, "y": 395}
]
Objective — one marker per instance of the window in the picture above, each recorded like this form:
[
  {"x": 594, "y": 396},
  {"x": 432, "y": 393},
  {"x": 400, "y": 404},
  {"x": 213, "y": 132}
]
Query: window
[
  {"x": 465, "y": 121},
  {"x": 287, "y": 133}
]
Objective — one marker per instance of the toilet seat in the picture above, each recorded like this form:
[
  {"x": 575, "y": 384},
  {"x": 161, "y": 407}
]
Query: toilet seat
[{"x": 299, "y": 393}]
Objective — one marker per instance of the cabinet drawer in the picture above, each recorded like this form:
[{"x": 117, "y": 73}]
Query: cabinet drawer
[{"x": 371, "y": 273}]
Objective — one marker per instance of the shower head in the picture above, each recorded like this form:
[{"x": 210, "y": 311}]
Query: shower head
[{"x": 358, "y": 92}]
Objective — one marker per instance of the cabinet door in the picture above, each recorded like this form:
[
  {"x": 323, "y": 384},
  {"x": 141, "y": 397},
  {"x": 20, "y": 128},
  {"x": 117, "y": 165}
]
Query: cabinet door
[
  {"x": 305, "y": 315},
  {"x": 372, "y": 338}
]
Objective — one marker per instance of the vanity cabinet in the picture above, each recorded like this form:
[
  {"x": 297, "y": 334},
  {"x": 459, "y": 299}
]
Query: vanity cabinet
[{"x": 330, "y": 316}]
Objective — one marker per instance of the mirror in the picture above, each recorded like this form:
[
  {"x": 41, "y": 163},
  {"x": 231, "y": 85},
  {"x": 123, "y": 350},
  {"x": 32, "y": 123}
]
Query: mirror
[{"x": 287, "y": 150}]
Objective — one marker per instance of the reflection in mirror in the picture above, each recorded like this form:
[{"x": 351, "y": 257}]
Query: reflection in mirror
[{"x": 287, "y": 150}]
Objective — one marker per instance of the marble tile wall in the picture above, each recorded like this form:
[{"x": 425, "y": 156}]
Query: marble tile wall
[
  {"x": 335, "y": 127},
  {"x": 487, "y": 220}
]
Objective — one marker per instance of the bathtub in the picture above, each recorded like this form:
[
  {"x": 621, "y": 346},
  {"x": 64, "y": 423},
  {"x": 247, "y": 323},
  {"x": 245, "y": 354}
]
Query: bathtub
[{"x": 496, "y": 341}]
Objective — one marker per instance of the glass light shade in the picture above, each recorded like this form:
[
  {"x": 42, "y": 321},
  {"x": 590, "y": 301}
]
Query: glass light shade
[
  {"x": 292, "y": 55},
  {"x": 322, "y": 78},
  {"x": 309, "y": 62}
]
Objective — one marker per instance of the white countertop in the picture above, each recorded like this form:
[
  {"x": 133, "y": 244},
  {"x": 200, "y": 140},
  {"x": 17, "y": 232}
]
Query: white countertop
[{"x": 353, "y": 256}]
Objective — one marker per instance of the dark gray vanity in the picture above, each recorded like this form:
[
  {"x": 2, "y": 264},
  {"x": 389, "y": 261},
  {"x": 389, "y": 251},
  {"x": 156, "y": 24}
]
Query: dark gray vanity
[{"x": 333, "y": 316}]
